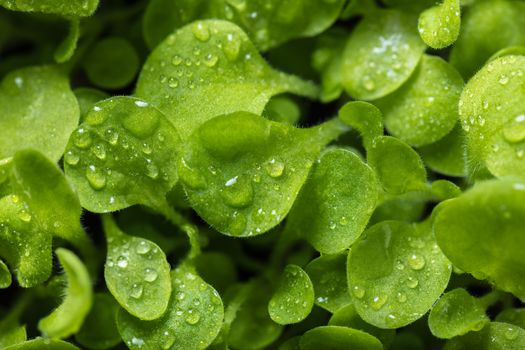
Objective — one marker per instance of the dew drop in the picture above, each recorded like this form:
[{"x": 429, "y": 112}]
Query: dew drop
[
  {"x": 190, "y": 176},
  {"x": 95, "y": 178},
  {"x": 150, "y": 274},
  {"x": 237, "y": 224},
  {"x": 416, "y": 262},
  {"x": 343, "y": 221},
  {"x": 95, "y": 118},
  {"x": 168, "y": 340},
  {"x": 180, "y": 296},
  {"x": 503, "y": 79},
  {"x": 71, "y": 158},
  {"x": 401, "y": 297},
  {"x": 200, "y": 31},
  {"x": 232, "y": 47},
  {"x": 412, "y": 282},
  {"x": 24, "y": 215},
  {"x": 152, "y": 171},
  {"x": 274, "y": 167},
  {"x": 136, "y": 290},
  {"x": 146, "y": 148},
  {"x": 192, "y": 317},
  {"x": 82, "y": 138},
  {"x": 143, "y": 247},
  {"x": 111, "y": 135},
  {"x": 122, "y": 262},
  {"x": 176, "y": 60},
  {"x": 515, "y": 130},
  {"x": 211, "y": 60},
  {"x": 237, "y": 192},
  {"x": 99, "y": 151},
  {"x": 511, "y": 333},
  {"x": 378, "y": 301},
  {"x": 359, "y": 292}
]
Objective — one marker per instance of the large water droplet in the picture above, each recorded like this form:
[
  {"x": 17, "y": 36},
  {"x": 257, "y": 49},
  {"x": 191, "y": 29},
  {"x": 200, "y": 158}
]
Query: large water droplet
[
  {"x": 412, "y": 282},
  {"x": 416, "y": 262},
  {"x": 71, "y": 158},
  {"x": 96, "y": 117},
  {"x": 95, "y": 178},
  {"x": 122, "y": 262},
  {"x": 82, "y": 138},
  {"x": 274, "y": 167},
  {"x": 237, "y": 224},
  {"x": 515, "y": 130},
  {"x": 378, "y": 301},
  {"x": 150, "y": 274},
  {"x": 237, "y": 192},
  {"x": 200, "y": 31},
  {"x": 143, "y": 247},
  {"x": 232, "y": 47},
  {"x": 141, "y": 122},
  {"x": 136, "y": 290}
]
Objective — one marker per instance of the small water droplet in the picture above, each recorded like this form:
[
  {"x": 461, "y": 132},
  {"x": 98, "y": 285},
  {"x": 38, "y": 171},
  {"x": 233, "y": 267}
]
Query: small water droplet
[
  {"x": 95, "y": 178},
  {"x": 358, "y": 292},
  {"x": 122, "y": 262},
  {"x": 416, "y": 262},
  {"x": 503, "y": 79},
  {"x": 180, "y": 296},
  {"x": 232, "y": 47},
  {"x": 237, "y": 224},
  {"x": 71, "y": 158},
  {"x": 143, "y": 247},
  {"x": 511, "y": 333},
  {"x": 192, "y": 317},
  {"x": 401, "y": 297},
  {"x": 136, "y": 290},
  {"x": 412, "y": 282},
  {"x": 176, "y": 60},
  {"x": 152, "y": 171},
  {"x": 168, "y": 340},
  {"x": 237, "y": 192},
  {"x": 111, "y": 135},
  {"x": 274, "y": 167},
  {"x": 211, "y": 60},
  {"x": 368, "y": 83},
  {"x": 200, "y": 31},
  {"x": 99, "y": 151},
  {"x": 378, "y": 301},
  {"x": 82, "y": 138},
  {"x": 190, "y": 176},
  {"x": 24, "y": 215},
  {"x": 332, "y": 225},
  {"x": 515, "y": 130},
  {"x": 343, "y": 221},
  {"x": 150, "y": 274}
]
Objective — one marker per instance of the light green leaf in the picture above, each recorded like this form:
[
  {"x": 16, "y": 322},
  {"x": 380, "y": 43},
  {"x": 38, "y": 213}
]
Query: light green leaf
[
  {"x": 282, "y": 109},
  {"x": 365, "y": 118},
  {"x": 111, "y": 63},
  {"x": 439, "y": 25},
  {"x": 518, "y": 50},
  {"x": 513, "y": 316},
  {"x": 243, "y": 172},
  {"x": 38, "y": 111},
  {"x": 123, "y": 154},
  {"x": 67, "y": 47},
  {"x": 68, "y": 317},
  {"x": 11, "y": 332},
  {"x": 87, "y": 97},
  {"x": 492, "y": 116},
  {"x": 99, "y": 330},
  {"x": 481, "y": 233},
  {"x": 487, "y": 27},
  {"x": 495, "y": 336},
  {"x": 268, "y": 22},
  {"x": 424, "y": 109},
  {"x": 338, "y": 338},
  {"x": 396, "y": 272},
  {"x": 456, "y": 313},
  {"x": 381, "y": 54},
  {"x": 293, "y": 299},
  {"x": 136, "y": 273},
  {"x": 212, "y": 61},
  {"x": 69, "y": 8},
  {"x": 447, "y": 156},
  {"x": 5, "y": 275},
  {"x": 335, "y": 204},
  {"x": 408, "y": 208},
  {"x": 193, "y": 319},
  {"x": 398, "y": 167},
  {"x": 328, "y": 275},
  {"x": 43, "y": 344},
  {"x": 348, "y": 317}
]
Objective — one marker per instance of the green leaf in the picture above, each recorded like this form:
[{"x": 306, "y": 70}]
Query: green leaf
[
  {"x": 67, "y": 47},
  {"x": 424, "y": 109},
  {"x": 481, "y": 233},
  {"x": 408, "y": 208},
  {"x": 517, "y": 50},
  {"x": 338, "y": 338},
  {"x": 282, "y": 109},
  {"x": 396, "y": 272},
  {"x": 5, "y": 275},
  {"x": 487, "y": 27},
  {"x": 381, "y": 54},
  {"x": 456, "y": 313},
  {"x": 348, "y": 317},
  {"x": 117, "y": 157},
  {"x": 87, "y": 97},
  {"x": 43, "y": 344},
  {"x": 212, "y": 61},
  {"x": 495, "y": 336},
  {"x": 70, "y": 8},
  {"x": 328, "y": 275},
  {"x": 439, "y": 25},
  {"x": 25, "y": 246},
  {"x": 269, "y": 23},
  {"x": 512, "y": 316},
  {"x": 217, "y": 269},
  {"x": 11, "y": 332},
  {"x": 50, "y": 199},
  {"x": 398, "y": 167},
  {"x": 38, "y": 111},
  {"x": 67, "y": 318},
  {"x": 336, "y": 202},
  {"x": 447, "y": 156},
  {"x": 293, "y": 299},
  {"x": 252, "y": 327},
  {"x": 99, "y": 330},
  {"x": 193, "y": 319},
  {"x": 491, "y": 112},
  {"x": 136, "y": 273},
  {"x": 365, "y": 118},
  {"x": 243, "y": 172},
  {"x": 111, "y": 63}
]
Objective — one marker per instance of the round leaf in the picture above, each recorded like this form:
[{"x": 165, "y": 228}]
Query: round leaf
[
  {"x": 439, "y": 25},
  {"x": 495, "y": 336},
  {"x": 338, "y": 338},
  {"x": 395, "y": 273},
  {"x": 43, "y": 344}
]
